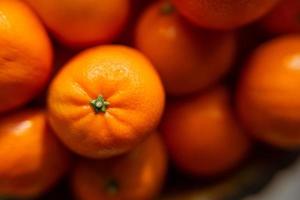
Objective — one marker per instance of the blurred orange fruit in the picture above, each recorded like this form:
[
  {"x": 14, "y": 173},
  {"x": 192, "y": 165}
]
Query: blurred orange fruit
[
  {"x": 105, "y": 101},
  {"x": 81, "y": 23},
  {"x": 138, "y": 175},
  {"x": 284, "y": 18},
  {"x": 223, "y": 14},
  {"x": 188, "y": 59},
  {"x": 268, "y": 98},
  {"x": 32, "y": 159},
  {"x": 202, "y": 134},
  {"x": 25, "y": 55}
]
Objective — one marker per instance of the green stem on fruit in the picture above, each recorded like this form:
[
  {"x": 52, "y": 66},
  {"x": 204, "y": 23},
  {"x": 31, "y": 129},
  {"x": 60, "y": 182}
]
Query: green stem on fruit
[
  {"x": 99, "y": 104},
  {"x": 167, "y": 8},
  {"x": 112, "y": 187}
]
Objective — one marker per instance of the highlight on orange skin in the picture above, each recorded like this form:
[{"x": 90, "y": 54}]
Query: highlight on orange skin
[
  {"x": 118, "y": 76},
  {"x": 83, "y": 23},
  {"x": 188, "y": 59},
  {"x": 202, "y": 134},
  {"x": 268, "y": 101},
  {"x": 25, "y": 55},
  {"x": 134, "y": 176},
  {"x": 32, "y": 159}
]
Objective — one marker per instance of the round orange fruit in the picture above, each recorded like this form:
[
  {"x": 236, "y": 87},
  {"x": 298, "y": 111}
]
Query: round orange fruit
[
  {"x": 25, "y": 55},
  {"x": 223, "y": 14},
  {"x": 105, "y": 101},
  {"x": 82, "y": 23},
  {"x": 202, "y": 134},
  {"x": 188, "y": 59},
  {"x": 32, "y": 159},
  {"x": 268, "y": 98},
  {"x": 138, "y": 175}
]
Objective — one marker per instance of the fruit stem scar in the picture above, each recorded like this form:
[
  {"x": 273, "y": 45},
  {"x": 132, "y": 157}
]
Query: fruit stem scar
[
  {"x": 112, "y": 187},
  {"x": 99, "y": 104},
  {"x": 167, "y": 8}
]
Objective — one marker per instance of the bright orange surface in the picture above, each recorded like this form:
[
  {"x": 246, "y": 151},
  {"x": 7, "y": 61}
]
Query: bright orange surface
[
  {"x": 32, "y": 159},
  {"x": 127, "y": 80},
  {"x": 25, "y": 55},
  {"x": 268, "y": 98},
  {"x": 81, "y": 23}
]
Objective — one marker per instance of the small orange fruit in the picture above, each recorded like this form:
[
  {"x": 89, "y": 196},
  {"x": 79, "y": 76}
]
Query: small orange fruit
[
  {"x": 138, "y": 175},
  {"x": 105, "y": 101},
  {"x": 25, "y": 55},
  {"x": 223, "y": 14},
  {"x": 202, "y": 134},
  {"x": 188, "y": 59},
  {"x": 82, "y": 23},
  {"x": 268, "y": 98},
  {"x": 32, "y": 159},
  {"x": 284, "y": 18}
]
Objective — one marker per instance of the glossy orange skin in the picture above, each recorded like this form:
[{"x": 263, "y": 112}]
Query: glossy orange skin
[
  {"x": 25, "y": 55},
  {"x": 187, "y": 59},
  {"x": 127, "y": 80},
  {"x": 284, "y": 18},
  {"x": 202, "y": 135},
  {"x": 223, "y": 14},
  {"x": 81, "y": 23},
  {"x": 268, "y": 98},
  {"x": 32, "y": 159},
  {"x": 139, "y": 174}
]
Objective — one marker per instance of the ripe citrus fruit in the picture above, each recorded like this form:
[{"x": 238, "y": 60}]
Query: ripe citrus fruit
[
  {"x": 83, "y": 23},
  {"x": 25, "y": 55},
  {"x": 268, "y": 98},
  {"x": 32, "y": 159},
  {"x": 137, "y": 175},
  {"x": 188, "y": 59},
  {"x": 284, "y": 18},
  {"x": 105, "y": 101},
  {"x": 223, "y": 14},
  {"x": 202, "y": 134}
]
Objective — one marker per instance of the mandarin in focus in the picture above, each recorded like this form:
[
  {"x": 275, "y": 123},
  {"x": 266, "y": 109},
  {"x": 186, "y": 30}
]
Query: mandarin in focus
[{"x": 105, "y": 101}]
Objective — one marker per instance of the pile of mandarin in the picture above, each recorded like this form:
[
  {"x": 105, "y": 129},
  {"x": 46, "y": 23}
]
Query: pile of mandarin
[{"x": 110, "y": 92}]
